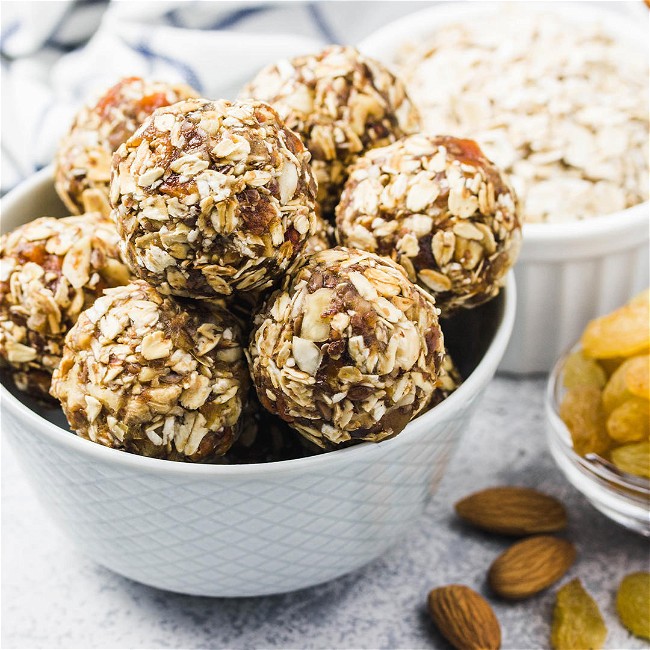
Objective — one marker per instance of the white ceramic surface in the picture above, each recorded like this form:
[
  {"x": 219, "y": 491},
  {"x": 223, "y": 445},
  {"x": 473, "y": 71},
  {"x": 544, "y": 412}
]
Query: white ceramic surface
[
  {"x": 567, "y": 273},
  {"x": 237, "y": 530}
]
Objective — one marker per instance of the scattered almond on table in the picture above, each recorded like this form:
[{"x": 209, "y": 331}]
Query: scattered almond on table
[
  {"x": 464, "y": 618},
  {"x": 606, "y": 408},
  {"x": 530, "y": 566},
  {"x": 512, "y": 510}
]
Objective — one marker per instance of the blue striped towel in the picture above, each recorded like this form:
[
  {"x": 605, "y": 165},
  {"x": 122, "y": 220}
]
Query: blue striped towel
[{"x": 58, "y": 55}]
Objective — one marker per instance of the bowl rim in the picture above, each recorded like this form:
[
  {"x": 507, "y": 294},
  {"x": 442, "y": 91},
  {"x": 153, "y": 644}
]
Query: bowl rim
[
  {"x": 471, "y": 386},
  {"x": 603, "y": 471},
  {"x": 430, "y": 19}
]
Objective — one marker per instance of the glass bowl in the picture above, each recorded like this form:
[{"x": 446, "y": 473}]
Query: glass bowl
[{"x": 623, "y": 497}]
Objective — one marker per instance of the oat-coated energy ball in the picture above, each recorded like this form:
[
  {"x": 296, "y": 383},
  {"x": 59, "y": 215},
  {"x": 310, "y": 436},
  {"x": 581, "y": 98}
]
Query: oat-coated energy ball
[
  {"x": 51, "y": 270},
  {"x": 350, "y": 350},
  {"x": 342, "y": 104},
  {"x": 83, "y": 160},
  {"x": 441, "y": 209},
  {"x": 145, "y": 373},
  {"x": 213, "y": 196}
]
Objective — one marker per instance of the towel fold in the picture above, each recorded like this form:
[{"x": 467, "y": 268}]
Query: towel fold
[{"x": 58, "y": 55}]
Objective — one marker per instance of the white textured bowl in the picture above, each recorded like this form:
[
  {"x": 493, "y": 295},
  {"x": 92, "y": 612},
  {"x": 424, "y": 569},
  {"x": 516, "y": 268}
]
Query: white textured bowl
[
  {"x": 249, "y": 529},
  {"x": 567, "y": 273}
]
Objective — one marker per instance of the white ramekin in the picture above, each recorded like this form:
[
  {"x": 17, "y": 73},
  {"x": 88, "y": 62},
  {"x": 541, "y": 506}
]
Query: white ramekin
[
  {"x": 238, "y": 530},
  {"x": 567, "y": 273}
]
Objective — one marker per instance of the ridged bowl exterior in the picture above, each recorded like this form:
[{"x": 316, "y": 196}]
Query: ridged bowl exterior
[
  {"x": 239, "y": 534},
  {"x": 236, "y": 530}
]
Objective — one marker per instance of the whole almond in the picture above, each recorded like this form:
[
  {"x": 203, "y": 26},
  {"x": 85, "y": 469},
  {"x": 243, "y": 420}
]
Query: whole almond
[
  {"x": 530, "y": 566},
  {"x": 464, "y": 618},
  {"x": 512, "y": 511}
]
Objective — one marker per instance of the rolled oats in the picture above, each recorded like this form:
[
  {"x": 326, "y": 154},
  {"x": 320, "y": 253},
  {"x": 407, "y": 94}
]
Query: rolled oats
[
  {"x": 83, "y": 160},
  {"x": 168, "y": 381},
  {"x": 220, "y": 218},
  {"x": 50, "y": 270},
  {"x": 342, "y": 104},
  {"x": 453, "y": 215},
  {"x": 561, "y": 107},
  {"x": 348, "y": 350}
]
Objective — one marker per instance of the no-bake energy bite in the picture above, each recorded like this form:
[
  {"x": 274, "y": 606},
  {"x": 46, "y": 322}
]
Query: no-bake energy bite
[
  {"x": 342, "y": 104},
  {"x": 441, "y": 209},
  {"x": 212, "y": 197},
  {"x": 83, "y": 160},
  {"x": 145, "y": 373},
  {"x": 51, "y": 270},
  {"x": 350, "y": 350}
]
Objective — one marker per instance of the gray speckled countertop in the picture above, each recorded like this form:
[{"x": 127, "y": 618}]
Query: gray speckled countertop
[{"x": 54, "y": 598}]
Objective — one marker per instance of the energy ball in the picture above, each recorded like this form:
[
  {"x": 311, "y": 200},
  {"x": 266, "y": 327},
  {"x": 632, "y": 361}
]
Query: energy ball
[
  {"x": 350, "y": 350},
  {"x": 342, "y": 104},
  {"x": 212, "y": 197},
  {"x": 50, "y": 271},
  {"x": 440, "y": 208},
  {"x": 83, "y": 160},
  {"x": 143, "y": 373}
]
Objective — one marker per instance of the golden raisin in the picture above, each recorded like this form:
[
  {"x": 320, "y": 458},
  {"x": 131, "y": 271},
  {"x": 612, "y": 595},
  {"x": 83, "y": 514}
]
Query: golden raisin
[
  {"x": 633, "y": 603},
  {"x": 582, "y": 412},
  {"x": 577, "y": 621},
  {"x": 615, "y": 391},
  {"x": 630, "y": 422},
  {"x": 622, "y": 333},
  {"x": 579, "y": 370},
  {"x": 633, "y": 459},
  {"x": 637, "y": 376}
]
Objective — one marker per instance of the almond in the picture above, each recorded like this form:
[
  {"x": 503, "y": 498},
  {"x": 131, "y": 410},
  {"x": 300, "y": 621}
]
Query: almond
[
  {"x": 464, "y": 618},
  {"x": 530, "y": 566},
  {"x": 512, "y": 511}
]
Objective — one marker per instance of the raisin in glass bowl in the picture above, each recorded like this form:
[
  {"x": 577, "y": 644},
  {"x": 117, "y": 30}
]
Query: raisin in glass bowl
[{"x": 623, "y": 497}]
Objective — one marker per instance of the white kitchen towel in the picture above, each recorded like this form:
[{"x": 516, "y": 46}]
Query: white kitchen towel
[{"x": 58, "y": 55}]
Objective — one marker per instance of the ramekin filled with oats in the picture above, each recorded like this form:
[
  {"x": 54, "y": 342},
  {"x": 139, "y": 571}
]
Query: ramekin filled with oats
[{"x": 556, "y": 95}]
